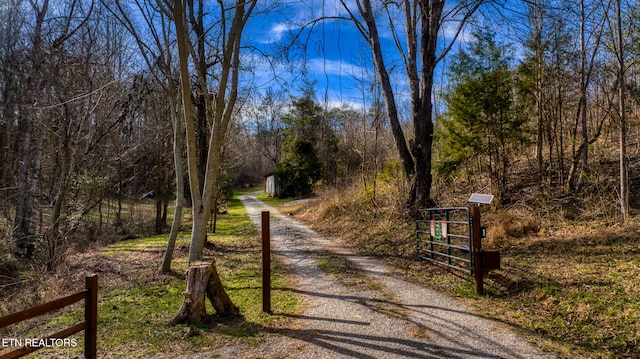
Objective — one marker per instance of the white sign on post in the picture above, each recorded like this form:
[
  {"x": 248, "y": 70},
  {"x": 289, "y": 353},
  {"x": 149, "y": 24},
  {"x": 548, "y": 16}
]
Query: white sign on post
[{"x": 480, "y": 198}]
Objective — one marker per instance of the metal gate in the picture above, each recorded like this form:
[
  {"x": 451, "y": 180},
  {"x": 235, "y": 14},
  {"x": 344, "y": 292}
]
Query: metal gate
[{"x": 444, "y": 236}]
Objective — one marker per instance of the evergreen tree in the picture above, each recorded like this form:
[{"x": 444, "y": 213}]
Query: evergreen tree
[
  {"x": 304, "y": 119},
  {"x": 299, "y": 167},
  {"x": 307, "y": 120},
  {"x": 310, "y": 147},
  {"x": 483, "y": 121},
  {"x": 299, "y": 170}
]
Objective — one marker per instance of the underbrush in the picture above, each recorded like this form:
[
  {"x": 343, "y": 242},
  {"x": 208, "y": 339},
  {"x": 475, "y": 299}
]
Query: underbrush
[
  {"x": 24, "y": 260},
  {"x": 570, "y": 276}
]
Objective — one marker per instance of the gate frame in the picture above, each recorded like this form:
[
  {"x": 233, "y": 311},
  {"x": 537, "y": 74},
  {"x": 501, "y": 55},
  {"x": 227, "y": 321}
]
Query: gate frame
[
  {"x": 480, "y": 261},
  {"x": 446, "y": 211}
]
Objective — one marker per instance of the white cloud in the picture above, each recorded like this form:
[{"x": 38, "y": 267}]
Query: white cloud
[
  {"x": 449, "y": 29},
  {"x": 336, "y": 67},
  {"x": 277, "y": 32},
  {"x": 301, "y": 14}
]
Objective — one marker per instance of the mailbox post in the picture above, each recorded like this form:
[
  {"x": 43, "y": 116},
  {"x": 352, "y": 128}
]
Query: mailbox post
[
  {"x": 476, "y": 231},
  {"x": 479, "y": 266}
]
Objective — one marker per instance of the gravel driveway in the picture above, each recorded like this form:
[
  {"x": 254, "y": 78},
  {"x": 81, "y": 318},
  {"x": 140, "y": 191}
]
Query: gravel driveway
[{"x": 389, "y": 318}]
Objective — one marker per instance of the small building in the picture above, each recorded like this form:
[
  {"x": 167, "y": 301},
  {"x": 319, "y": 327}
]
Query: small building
[{"x": 271, "y": 187}]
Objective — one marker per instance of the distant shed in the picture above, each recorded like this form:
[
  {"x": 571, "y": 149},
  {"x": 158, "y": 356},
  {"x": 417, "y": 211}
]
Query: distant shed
[{"x": 271, "y": 185}]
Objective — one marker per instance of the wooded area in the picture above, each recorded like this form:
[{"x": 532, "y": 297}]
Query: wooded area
[{"x": 110, "y": 103}]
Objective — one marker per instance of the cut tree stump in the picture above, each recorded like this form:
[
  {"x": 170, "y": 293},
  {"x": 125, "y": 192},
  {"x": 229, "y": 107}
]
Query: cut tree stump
[{"x": 203, "y": 281}]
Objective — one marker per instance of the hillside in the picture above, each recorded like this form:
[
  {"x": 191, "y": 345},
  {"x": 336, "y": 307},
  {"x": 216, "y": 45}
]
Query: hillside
[{"x": 569, "y": 278}]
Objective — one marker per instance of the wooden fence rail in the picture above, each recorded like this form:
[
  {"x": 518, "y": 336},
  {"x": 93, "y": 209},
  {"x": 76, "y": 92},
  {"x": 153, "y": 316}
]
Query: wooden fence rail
[{"x": 89, "y": 325}]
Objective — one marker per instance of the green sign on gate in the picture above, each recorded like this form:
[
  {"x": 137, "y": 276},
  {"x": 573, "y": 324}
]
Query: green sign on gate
[{"x": 443, "y": 235}]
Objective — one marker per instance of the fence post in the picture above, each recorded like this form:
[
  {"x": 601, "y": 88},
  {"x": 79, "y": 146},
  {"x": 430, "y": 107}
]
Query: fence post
[
  {"x": 91, "y": 318},
  {"x": 477, "y": 249},
  {"x": 266, "y": 263}
]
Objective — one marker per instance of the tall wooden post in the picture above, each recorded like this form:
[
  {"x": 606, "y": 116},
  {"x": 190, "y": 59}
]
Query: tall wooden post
[
  {"x": 266, "y": 263},
  {"x": 91, "y": 317},
  {"x": 476, "y": 231}
]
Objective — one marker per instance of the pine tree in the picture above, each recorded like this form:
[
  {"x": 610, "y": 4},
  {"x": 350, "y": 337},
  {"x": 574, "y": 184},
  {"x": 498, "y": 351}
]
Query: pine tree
[
  {"x": 300, "y": 166},
  {"x": 299, "y": 170},
  {"x": 483, "y": 121}
]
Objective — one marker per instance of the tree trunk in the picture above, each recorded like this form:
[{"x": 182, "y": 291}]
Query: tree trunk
[
  {"x": 178, "y": 144},
  {"x": 218, "y": 297},
  {"x": 35, "y": 176},
  {"x": 420, "y": 62},
  {"x": 201, "y": 216},
  {"x": 159, "y": 203},
  {"x": 387, "y": 93},
  {"x": 21, "y": 225},
  {"x": 580, "y": 158},
  {"x": 61, "y": 194},
  {"x": 430, "y": 14},
  {"x": 624, "y": 161},
  {"x": 220, "y": 109},
  {"x": 30, "y": 163},
  {"x": 173, "y": 236},
  {"x": 203, "y": 281},
  {"x": 538, "y": 18},
  {"x": 420, "y": 194}
]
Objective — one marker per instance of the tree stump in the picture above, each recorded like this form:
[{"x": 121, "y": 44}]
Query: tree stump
[{"x": 203, "y": 281}]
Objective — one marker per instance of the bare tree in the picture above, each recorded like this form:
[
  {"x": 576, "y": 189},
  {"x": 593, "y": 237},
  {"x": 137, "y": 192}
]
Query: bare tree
[
  {"x": 537, "y": 18},
  {"x": 157, "y": 50},
  {"x": 219, "y": 110},
  {"x": 11, "y": 27},
  {"x": 624, "y": 161},
  {"x": 422, "y": 22},
  {"x": 580, "y": 163},
  {"x": 51, "y": 114}
]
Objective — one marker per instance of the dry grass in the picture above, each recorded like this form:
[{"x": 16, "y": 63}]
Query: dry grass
[{"x": 504, "y": 225}]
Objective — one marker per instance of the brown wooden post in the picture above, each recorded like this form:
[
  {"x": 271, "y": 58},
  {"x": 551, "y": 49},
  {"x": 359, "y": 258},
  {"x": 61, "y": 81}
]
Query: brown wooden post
[
  {"x": 91, "y": 318},
  {"x": 477, "y": 248},
  {"x": 266, "y": 263}
]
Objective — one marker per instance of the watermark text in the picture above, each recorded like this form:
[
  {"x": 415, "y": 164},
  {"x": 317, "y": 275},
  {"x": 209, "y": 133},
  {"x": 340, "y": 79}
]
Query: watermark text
[{"x": 38, "y": 342}]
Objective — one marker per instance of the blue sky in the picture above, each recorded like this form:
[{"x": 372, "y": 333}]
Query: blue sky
[{"x": 336, "y": 56}]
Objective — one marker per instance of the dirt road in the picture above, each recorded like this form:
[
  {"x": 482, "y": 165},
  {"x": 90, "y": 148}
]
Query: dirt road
[{"x": 387, "y": 317}]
